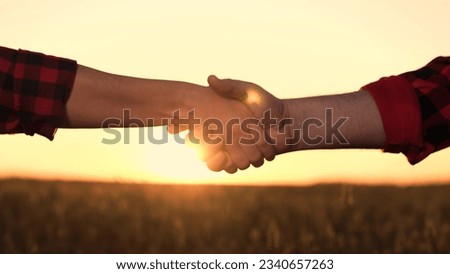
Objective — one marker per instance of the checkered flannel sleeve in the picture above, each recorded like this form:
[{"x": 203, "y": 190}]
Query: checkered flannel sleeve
[
  {"x": 34, "y": 89},
  {"x": 415, "y": 109}
]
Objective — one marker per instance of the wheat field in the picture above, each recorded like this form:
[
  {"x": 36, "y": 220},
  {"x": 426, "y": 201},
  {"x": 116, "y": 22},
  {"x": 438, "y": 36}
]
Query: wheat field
[{"x": 80, "y": 217}]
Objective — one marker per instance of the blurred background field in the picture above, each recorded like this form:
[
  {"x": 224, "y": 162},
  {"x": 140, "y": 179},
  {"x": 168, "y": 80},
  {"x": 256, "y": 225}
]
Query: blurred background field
[{"x": 79, "y": 217}]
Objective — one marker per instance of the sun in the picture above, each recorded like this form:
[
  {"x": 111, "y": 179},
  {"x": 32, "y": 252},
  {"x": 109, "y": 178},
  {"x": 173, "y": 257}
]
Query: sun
[{"x": 177, "y": 163}]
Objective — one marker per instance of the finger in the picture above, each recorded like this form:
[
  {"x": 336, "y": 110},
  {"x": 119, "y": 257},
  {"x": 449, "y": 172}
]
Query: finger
[
  {"x": 218, "y": 161},
  {"x": 255, "y": 145},
  {"x": 250, "y": 147},
  {"x": 238, "y": 156},
  {"x": 228, "y": 88},
  {"x": 267, "y": 149},
  {"x": 230, "y": 166},
  {"x": 222, "y": 161},
  {"x": 231, "y": 170},
  {"x": 254, "y": 155}
]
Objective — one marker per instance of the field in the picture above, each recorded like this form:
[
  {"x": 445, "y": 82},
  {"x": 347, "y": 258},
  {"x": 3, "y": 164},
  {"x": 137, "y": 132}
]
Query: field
[{"x": 74, "y": 217}]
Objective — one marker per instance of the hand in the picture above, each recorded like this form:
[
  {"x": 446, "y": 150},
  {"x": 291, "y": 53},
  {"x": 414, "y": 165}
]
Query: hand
[
  {"x": 220, "y": 133},
  {"x": 270, "y": 111}
]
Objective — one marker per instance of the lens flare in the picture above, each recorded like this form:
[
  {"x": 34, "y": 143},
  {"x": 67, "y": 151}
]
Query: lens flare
[{"x": 253, "y": 97}]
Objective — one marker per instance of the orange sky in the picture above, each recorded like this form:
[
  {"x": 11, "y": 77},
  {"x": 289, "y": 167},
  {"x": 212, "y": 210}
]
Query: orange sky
[{"x": 291, "y": 48}]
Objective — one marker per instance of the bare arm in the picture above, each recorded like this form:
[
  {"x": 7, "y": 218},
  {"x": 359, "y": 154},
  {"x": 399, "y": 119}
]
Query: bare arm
[
  {"x": 347, "y": 120},
  {"x": 97, "y": 95}
]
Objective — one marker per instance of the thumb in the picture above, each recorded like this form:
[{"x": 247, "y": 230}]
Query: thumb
[{"x": 228, "y": 88}]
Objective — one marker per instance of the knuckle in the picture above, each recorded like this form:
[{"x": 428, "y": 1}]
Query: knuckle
[
  {"x": 241, "y": 162},
  {"x": 231, "y": 170},
  {"x": 256, "y": 158},
  {"x": 258, "y": 163}
]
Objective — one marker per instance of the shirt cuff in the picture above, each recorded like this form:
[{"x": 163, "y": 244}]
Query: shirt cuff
[
  {"x": 42, "y": 86},
  {"x": 400, "y": 113}
]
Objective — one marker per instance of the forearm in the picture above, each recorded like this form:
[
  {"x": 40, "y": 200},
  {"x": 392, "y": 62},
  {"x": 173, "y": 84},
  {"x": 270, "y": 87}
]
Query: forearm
[
  {"x": 338, "y": 121},
  {"x": 97, "y": 96}
]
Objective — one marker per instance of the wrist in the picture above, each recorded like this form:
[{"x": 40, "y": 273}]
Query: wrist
[
  {"x": 294, "y": 117},
  {"x": 192, "y": 103},
  {"x": 166, "y": 99}
]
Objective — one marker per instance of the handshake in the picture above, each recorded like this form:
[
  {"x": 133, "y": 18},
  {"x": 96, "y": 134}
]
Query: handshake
[{"x": 234, "y": 124}]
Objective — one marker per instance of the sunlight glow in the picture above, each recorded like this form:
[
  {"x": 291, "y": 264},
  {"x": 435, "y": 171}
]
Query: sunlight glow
[
  {"x": 253, "y": 98},
  {"x": 174, "y": 162}
]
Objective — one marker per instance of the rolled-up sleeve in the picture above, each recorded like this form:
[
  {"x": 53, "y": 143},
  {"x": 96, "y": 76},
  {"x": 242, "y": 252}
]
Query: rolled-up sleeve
[
  {"x": 34, "y": 89},
  {"x": 415, "y": 109}
]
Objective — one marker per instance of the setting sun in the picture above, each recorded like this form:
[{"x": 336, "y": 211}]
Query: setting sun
[{"x": 175, "y": 162}]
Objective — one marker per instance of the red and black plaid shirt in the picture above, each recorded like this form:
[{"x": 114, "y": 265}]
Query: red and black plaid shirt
[
  {"x": 34, "y": 89},
  {"x": 415, "y": 109}
]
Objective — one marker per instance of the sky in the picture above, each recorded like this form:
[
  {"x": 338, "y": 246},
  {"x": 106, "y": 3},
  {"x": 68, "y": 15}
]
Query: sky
[{"x": 291, "y": 48}]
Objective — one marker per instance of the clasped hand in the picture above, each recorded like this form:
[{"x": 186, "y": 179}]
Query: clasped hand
[{"x": 240, "y": 124}]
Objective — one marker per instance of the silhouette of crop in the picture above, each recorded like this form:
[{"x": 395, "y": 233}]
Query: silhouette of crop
[{"x": 74, "y": 217}]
